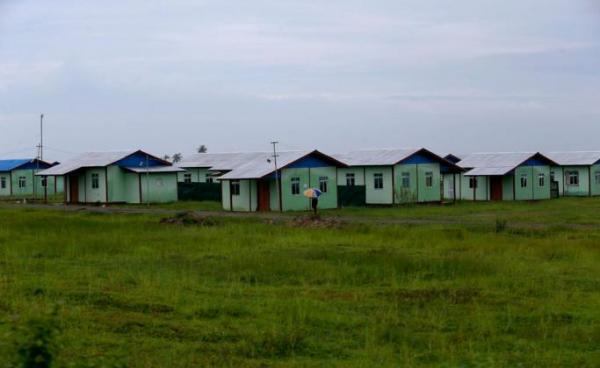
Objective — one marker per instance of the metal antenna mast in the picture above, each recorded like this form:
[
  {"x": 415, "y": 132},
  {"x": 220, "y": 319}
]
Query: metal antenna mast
[
  {"x": 41, "y": 155},
  {"x": 277, "y": 179}
]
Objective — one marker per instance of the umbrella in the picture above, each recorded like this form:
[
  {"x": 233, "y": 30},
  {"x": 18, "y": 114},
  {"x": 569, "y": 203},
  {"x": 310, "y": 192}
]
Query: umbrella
[{"x": 312, "y": 193}]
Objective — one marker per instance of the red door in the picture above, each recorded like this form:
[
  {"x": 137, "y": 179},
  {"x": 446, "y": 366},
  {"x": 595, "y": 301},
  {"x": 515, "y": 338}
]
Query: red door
[
  {"x": 264, "y": 196},
  {"x": 496, "y": 188},
  {"x": 73, "y": 189}
]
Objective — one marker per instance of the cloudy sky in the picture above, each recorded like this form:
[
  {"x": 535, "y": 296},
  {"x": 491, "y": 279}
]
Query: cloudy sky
[{"x": 455, "y": 76}]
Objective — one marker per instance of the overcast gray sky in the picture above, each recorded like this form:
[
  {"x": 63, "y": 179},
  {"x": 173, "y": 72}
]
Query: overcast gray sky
[{"x": 455, "y": 76}]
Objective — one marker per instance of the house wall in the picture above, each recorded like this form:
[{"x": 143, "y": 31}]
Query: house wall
[
  {"x": 417, "y": 191},
  {"x": 508, "y": 188},
  {"x": 533, "y": 191},
  {"x": 359, "y": 175},
  {"x": 246, "y": 201},
  {"x": 91, "y": 195},
  {"x": 327, "y": 200},
  {"x": 379, "y": 196},
  {"x": 595, "y": 169},
  {"x": 580, "y": 190},
  {"x": 481, "y": 193},
  {"x": 309, "y": 178},
  {"x": 6, "y": 177},
  {"x": 199, "y": 175},
  {"x": 560, "y": 178},
  {"x": 156, "y": 187},
  {"x": 452, "y": 183}
]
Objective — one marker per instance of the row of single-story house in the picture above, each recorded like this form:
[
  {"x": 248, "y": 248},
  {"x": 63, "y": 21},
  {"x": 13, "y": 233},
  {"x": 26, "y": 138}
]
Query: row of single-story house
[
  {"x": 116, "y": 177},
  {"x": 257, "y": 181},
  {"x": 523, "y": 176}
]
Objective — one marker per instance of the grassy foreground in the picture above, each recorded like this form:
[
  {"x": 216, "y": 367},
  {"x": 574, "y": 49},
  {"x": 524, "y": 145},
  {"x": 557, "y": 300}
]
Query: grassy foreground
[{"x": 129, "y": 291}]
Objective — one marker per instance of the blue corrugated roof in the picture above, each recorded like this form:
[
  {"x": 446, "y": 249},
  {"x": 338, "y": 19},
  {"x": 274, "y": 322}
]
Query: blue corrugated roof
[{"x": 9, "y": 165}]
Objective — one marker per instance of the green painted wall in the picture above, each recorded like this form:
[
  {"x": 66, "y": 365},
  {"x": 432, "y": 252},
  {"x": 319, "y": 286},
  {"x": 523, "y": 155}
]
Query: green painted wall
[
  {"x": 379, "y": 196},
  {"x": 507, "y": 188},
  {"x": 452, "y": 187},
  {"x": 246, "y": 201},
  {"x": 132, "y": 184},
  {"x": 559, "y": 177},
  {"x": 32, "y": 184},
  {"x": 199, "y": 175},
  {"x": 418, "y": 191},
  {"x": 5, "y": 176},
  {"x": 533, "y": 190},
  {"x": 327, "y": 200},
  {"x": 359, "y": 175},
  {"x": 294, "y": 202},
  {"x": 580, "y": 190},
  {"x": 481, "y": 193},
  {"x": 158, "y": 187},
  {"x": 273, "y": 196},
  {"x": 595, "y": 180}
]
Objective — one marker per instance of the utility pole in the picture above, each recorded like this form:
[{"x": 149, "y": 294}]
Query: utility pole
[
  {"x": 42, "y": 137},
  {"x": 277, "y": 178}
]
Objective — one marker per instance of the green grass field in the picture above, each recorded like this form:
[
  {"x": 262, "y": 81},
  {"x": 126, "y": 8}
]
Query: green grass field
[{"x": 474, "y": 285}]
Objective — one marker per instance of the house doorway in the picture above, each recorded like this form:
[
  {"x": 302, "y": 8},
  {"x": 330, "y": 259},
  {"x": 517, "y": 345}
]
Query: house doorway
[
  {"x": 496, "y": 188},
  {"x": 73, "y": 189},
  {"x": 264, "y": 196}
]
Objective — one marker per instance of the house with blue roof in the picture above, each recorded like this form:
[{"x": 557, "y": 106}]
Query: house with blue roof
[
  {"x": 116, "y": 177},
  {"x": 17, "y": 179}
]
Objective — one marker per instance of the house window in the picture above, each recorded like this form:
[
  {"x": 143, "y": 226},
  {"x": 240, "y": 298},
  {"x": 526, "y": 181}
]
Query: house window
[
  {"x": 541, "y": 180},
  {"x": 22, "y": 182},
  {"x": 44, "y": 181},
  {"x": 187, "y": 178},
  {"x": 573, "y": 178},
  {"x": 209, "y": 179},
  {"x": 552, "y": 176},
  {"x": 472, "y": 182},
  {"x": 597, "y": 176},
  {"x": 3, "y": 182},
  {"x": 405, "y": 180},
  {"x": 323, "y": 184},
  {"x": 429, "y": 179},
  {"x": 95, "y": 181},
  {"x": 523, "y": 180},
  {"x": 235, "y": 187},
  {"x": 378, "y": 181},
  {"x": 350, "y": 180},
  {"x": 295, "y": 186}
]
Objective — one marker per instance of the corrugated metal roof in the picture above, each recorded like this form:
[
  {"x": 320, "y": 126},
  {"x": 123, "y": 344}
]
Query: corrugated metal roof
[
  {"x": 576, "y": 158},
  {"x": 258, "y": 165},
  {"x": 93, "y": 159},
  {"x": 383, "y": 157},
  {"x": 9, "y": 165},
  {"x": 221, "y": 161},
  {"x": 90, "y": 159},
  {"x": 498, "y": 163},
  {"x": 155, "y": 169}
]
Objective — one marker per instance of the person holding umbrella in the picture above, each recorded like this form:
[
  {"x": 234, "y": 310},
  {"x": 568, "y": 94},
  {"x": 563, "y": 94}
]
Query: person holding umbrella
[{"x": 313, "y": 194}]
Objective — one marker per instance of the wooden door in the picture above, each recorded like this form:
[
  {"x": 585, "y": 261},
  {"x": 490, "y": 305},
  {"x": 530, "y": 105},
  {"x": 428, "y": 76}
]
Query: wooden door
[
  {"x": 73, "y": 189},
  {"x": 496, "y": 188},
  {"x": 264, "y": 196}
]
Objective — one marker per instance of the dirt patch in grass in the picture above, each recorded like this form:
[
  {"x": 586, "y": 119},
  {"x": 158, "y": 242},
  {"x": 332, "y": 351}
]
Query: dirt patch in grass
[
  {"x": 191, "y": 219},
  {"x": 316, "y": 222}
]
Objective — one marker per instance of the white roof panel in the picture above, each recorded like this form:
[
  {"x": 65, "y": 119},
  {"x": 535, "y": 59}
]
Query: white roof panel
[
  {"x": 576, "y": 158},
  {"x": 90, "y": 159},
  {"x": 384, "y": 157},
  {"x": 155, "y": 169}
]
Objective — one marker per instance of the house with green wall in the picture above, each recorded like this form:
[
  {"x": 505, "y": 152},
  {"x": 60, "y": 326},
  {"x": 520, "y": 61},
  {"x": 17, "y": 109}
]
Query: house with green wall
[
  {"x": 257, "y": 181},
  {"x": 577, "y": 173},
  {"x": 503, "y": 176},
  {"x": 18, "y": 179},
  {"x": 116, "y": 177},
  {"x": 392, "y": 176}
]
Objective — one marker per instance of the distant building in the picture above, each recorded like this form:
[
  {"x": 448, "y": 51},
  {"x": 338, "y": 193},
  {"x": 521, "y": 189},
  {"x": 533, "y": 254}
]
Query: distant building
[
  {"x": 393, "y": 176},
  {"x": 17, "y": 179},
  {"x": 249, "y": 181},
  {"x": 505, "y": 176},
  {"x": 117, "y": 177},
  {"x": 577, "y": 173}
]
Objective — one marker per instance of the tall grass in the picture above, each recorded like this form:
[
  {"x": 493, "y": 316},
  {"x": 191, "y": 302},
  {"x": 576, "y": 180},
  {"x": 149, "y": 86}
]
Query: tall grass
[{"x": 250, "y": 293}]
